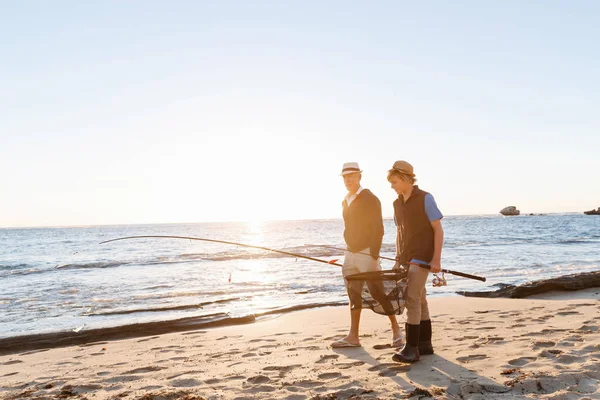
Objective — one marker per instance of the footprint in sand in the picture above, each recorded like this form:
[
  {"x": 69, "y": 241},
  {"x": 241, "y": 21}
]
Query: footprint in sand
[
  {"x": 573, "y": 338},
  {"x": 587, "y": 329},
  {"x": 543, "y": 318},
  {"x": 307, "y": 383},
  {"x": 147, "y": 339},
  {"x": 492, "y": 340},
  {"x": 259, "y": 379},
  {"x": 550, "y": 353},
  {"x": 568, "y": 313},
  {"x": 179, "y": 358},
  {"x": 330, "y": 375},
  {"x": 260, "y": 389},
  {"x": 193, "y": 333},
  {"x": 327, "y": 357},
  {"x": 390, "y": 369},
  {"x": 544, "y": 332},
  {"x": 569, "y": 359},
  {"x": 185, "y": 373},
  {"x": 229, "y": 337},
  {"x": 11, "y": 362},
  {"x": 190, "y": 382},
  {"x": 472, "y": 357},
  {"x": 265, "y": 346},
  {"x": 123, "y": 378},
  {"x": 261, "y": 340},
  {"x": 10, "y": 374},
  {"x": 308, "y": 339},
  {"x": 349, "y": 365},
  {"x": 519, "y": 362},
  {"x": 144, "y": 370},
  {"x": 283, "y": 369},
  {"x": 304, "y": 348},
  {"x": 485, "y": 328},
  {"x": 544, "y": 343},
  {"x": 460, "y": 339}
]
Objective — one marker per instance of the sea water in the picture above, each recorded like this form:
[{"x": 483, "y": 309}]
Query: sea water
[{"x": 61, "y": 279}]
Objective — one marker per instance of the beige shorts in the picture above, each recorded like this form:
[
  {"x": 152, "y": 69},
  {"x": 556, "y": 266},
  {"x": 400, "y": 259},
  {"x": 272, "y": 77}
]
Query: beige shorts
[{"x": 356, "y": 263}]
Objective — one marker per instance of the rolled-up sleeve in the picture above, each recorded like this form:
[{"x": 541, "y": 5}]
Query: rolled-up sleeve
[{"x": 431, "y": 208}]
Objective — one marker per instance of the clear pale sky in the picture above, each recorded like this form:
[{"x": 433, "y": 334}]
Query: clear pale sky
[{"x": 187, "y": 111}]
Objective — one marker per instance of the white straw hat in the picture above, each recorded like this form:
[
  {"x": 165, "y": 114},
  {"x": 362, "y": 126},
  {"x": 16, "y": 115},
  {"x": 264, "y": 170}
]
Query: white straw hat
[{"x": 350, "y": 168}]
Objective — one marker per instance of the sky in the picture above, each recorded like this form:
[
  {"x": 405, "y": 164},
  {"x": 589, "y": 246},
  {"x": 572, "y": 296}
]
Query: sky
[{"x": 118, "y": 112}]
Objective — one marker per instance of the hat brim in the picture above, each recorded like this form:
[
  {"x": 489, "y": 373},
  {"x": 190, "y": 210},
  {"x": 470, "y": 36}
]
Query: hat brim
[
  {"x": 402, "y": 172},
  {"x": 351, "y": 172}
]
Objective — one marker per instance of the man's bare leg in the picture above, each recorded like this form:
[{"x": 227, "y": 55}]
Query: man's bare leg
[
  {"x": 396, "y": 331},
  {"x": 354, "y": 324}
]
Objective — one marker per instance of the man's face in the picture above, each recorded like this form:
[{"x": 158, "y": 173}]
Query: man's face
[
  {"x": 398, "y": 184},
  {"x": 352, "y": 181}
]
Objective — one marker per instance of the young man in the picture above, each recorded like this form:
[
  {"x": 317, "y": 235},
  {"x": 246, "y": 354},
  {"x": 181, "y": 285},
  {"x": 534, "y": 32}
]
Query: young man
[
  {"x": 363, "y": 233},
  {"x": 419, "y": 241}
]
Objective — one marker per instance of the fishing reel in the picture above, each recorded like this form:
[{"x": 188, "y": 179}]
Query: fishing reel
[{"x": 439, "y": 281}]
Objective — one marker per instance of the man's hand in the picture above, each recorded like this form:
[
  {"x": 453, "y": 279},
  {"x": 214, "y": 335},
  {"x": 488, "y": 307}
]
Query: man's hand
[{"x": 435, "y": 266}]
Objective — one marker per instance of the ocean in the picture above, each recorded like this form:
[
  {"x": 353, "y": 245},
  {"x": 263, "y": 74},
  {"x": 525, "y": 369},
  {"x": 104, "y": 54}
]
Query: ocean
[{"x": 61, "y": 279}]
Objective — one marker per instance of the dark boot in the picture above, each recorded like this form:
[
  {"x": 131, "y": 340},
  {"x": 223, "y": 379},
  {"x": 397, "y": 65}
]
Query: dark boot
[
  {"x": 425, "y": 347},
  {"x": 410, "y": 352}
]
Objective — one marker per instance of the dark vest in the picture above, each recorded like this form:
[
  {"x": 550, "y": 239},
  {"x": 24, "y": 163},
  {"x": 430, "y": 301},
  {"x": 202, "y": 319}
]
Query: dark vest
[
  {"x": 363, "y": 224},
  {"x": 414, "y": 228}
]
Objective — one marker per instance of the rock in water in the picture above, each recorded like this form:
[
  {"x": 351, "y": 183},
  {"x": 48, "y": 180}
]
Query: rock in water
[
  {"x": 581, "y": 281},
  {"x": 510, "y": 210}
]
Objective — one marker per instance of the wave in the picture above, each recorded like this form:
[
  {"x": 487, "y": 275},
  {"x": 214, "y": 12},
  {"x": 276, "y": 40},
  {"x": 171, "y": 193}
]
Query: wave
[
  {"x": 163, "y": 309},
  {"x": 102, "y": 264},
  {"x": 6, "y": 267}
]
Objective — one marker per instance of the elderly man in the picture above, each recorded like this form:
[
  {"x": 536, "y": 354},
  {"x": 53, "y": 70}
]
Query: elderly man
[{"x": 363, "y": 233}]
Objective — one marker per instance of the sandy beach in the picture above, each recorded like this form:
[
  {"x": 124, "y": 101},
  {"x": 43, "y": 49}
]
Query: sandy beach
[{"x": 547, "y": 347}]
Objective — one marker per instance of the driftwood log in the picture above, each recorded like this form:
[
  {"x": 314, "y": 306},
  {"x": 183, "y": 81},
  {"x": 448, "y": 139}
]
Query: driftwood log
[{"x": 584, "y": 280}]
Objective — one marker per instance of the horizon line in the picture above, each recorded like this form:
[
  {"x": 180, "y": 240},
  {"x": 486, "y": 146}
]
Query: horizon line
[{"x": 260, "y": 221}]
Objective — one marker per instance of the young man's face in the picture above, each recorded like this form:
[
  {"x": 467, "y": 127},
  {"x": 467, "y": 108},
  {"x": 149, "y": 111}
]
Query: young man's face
[
  {"x": 399, "y": 184},
  {"x": 352, "y": 181}
]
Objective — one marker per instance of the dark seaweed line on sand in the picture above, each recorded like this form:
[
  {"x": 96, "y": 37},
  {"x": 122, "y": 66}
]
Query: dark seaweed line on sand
[{"x": 23, "y": 343}]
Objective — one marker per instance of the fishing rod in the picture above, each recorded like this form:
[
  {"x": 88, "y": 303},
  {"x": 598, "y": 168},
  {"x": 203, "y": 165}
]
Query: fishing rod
[
  {"x": 332, "y": 262},
  {"x": 425, "y": 266}
]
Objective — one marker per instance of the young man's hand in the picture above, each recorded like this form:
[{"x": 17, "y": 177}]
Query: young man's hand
[{"x": 435, "y": 266}]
